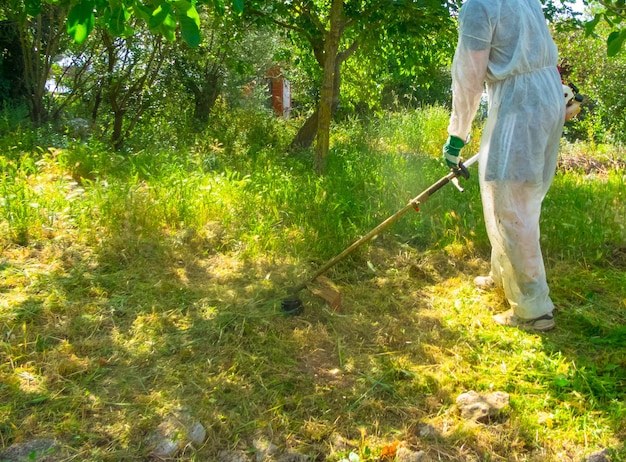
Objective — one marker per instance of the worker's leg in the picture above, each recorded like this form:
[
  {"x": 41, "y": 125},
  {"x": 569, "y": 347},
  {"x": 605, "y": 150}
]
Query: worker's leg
[{"x": 517, "y": 262}]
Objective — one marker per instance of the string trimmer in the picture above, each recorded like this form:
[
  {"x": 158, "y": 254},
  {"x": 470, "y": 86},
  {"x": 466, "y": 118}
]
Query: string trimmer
[{"x": 293, "y": 305}]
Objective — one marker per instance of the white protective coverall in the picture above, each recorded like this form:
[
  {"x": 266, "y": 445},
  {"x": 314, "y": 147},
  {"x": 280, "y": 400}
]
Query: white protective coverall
[{"x": 507, "y": 44}]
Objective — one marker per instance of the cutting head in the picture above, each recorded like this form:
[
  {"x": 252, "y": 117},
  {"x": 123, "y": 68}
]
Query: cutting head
[{"x": 292, "y": 305}]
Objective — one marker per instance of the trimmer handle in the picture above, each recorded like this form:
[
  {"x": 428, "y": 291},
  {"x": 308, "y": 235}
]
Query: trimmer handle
[{"x": 461, "y": 170}]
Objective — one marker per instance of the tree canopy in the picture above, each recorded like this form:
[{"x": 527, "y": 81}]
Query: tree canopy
[
  {"x": 167, "y": 17},
  {"x": 161, "y": 16},
  {"x": 613, "y": 14}
]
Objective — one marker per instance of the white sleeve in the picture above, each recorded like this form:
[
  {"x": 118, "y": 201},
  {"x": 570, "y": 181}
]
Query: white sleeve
[
  {"x": 469, "y": 67},
  {"x": 468, "y": 77}
]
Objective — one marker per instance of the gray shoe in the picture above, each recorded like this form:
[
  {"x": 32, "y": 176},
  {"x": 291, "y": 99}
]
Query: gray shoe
[
  {"x": 484, "y": 282},
  {"x": 540, "y": 324}
]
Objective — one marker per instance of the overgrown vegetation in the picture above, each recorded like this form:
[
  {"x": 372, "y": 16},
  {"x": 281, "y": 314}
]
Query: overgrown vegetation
[
  {"x": 598, "y": 78},
  {"x": 134, "y": 285}
]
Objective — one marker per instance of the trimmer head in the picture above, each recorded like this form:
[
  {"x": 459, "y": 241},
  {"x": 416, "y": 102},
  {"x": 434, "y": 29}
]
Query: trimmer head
[{"x": 292, "y": 305}]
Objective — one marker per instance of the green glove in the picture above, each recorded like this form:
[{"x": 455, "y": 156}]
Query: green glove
[{"x": 451, "y": 150}]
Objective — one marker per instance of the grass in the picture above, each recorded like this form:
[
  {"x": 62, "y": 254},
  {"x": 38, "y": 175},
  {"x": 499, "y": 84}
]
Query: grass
[{"x": 137, "y": 286}]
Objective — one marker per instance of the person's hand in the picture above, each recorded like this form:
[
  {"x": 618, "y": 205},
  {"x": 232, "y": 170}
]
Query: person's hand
[
  {"x": 451, "y": 150},
  {"x": 572, "y": 102},
  {"x": 572, "y": 110}
]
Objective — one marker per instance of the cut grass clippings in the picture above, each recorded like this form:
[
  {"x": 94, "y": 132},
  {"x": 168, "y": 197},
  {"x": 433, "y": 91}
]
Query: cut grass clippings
[{"x": 99, "y": 359}]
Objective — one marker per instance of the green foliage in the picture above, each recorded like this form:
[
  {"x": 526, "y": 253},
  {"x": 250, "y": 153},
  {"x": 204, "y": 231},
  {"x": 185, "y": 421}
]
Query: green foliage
[
  {"x": 163, "y": 17},
  {"x": 569, "y": 216},
  {"x": 18, "y": 205},
  {"x": 11, "y": 66},
  {"x": 189, "y": 20},
  {"x": 12, "y": 120},
  {"x": 87, "y": 162},
  {"x": 80, "y": 20},
  {"x": 404, "y": 63},
  {"x": 599, "y": 79},
  {"x": 415, "y": 131},
  {"x": 615, "y": 42},
  {"x": 380, "y": 45},
  {"x": 611, "y": 15}
]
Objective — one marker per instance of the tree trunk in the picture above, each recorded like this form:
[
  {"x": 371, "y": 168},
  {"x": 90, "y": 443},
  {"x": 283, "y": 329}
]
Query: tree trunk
[
  {"x": 117, "y": 138},
  {"x": 125, "y": 88},
  {"x": 205, "y": 89},
  {"x": 39, "y": 39},
  {"x": 96, "y": 104},
  {"x": 331, "y": 46},
  {"x": 306, "y": 135},
  {"x": 204, "y": 100}
]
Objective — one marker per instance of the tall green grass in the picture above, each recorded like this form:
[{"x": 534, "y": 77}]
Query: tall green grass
[
  {"x": 585, "y": 217},
  {"x": 266, "y": 202},
  {"x": 269, "y": 203},
  {"x": 259, "y": 198}
]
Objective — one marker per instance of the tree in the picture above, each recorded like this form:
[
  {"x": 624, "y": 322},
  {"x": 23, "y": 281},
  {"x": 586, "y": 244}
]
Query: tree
[
  {"x": 202, "y": 73},
  {"x": 610, "y": 15},
  {"x": 132, "y": 68},
  {"x": 335, "y": 31},
  {"x": 408, "y": 65},
  {"x": 41, "y": 37},
  {"x": 115, "y": 80},
  {"x": 231, "y": 50},
  {"x": 331, "y": 47}
]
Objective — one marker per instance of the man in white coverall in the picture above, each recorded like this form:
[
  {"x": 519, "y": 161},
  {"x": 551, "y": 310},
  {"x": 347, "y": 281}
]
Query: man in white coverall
[{"x": 507, "y": 45}]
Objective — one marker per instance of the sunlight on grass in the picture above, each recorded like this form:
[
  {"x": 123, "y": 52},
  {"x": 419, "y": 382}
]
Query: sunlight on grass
[{"x": 140, "y": 286}]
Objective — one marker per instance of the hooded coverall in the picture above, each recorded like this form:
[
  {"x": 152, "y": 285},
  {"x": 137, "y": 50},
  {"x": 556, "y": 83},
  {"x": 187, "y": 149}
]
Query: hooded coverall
[{"x": 507, "y": 45}]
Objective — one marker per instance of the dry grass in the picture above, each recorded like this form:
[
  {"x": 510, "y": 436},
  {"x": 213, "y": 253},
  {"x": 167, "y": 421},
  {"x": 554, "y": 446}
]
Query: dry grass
[{"x": 101, "y": 344}]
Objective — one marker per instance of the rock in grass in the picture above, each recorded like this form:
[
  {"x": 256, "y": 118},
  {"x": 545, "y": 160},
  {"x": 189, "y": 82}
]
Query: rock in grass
[
  {"x": 339, "y": 443},
  {"x": 475, "y": 406},
  {"x": 40, "y": 450},
  {"x": 233, "y": 456},
  {"x": 174, "y": 433},
  {"x": 428, "y": 431},
  {"x": 407, "y": 455},
  {"x": 599, "y": 456},
  {"x": 293, "y": 457},
  {"x": 241, "y": 456},
  {"x": 264, "y": 449}
]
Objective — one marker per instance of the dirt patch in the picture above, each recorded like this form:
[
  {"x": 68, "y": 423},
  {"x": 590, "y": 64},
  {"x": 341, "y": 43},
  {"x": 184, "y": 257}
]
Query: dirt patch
[
  {"x": 617, "y": 256},
  {"x": 587, "y": 164}
]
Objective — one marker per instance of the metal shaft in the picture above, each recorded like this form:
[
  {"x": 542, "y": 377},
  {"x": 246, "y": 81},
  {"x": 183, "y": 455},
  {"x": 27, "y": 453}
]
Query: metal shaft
[{"x": 412, "y": 204}]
